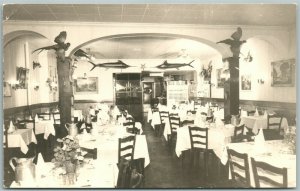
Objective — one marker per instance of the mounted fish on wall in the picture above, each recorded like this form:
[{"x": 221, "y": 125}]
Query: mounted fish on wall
[
  {"x": 167, "y": 65},
  {"x": 119, "y": 64}
]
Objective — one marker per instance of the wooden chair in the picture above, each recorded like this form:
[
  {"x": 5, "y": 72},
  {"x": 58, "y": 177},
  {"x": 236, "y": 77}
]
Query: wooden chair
[
  {"x": 164, "y": 115},
  {"x": 268, "y": 171},
  {"x": 174, "y": 125},
  {"x": 56, "y": 117},
  {"x": 238, "y": 135},
  {"x": 22, "y": 124},
  {"x": 91, "y": 153},
  {"x": 130, "y": 127},
  {"x": 187, "y": 122},
  {"x": 45, "y": 116},
  {"x": 130, "y": 119},
  {"x": 273, "y": 130},
  {"x": 173, "y": 114},
  {"x": 197, "y": 106},
  {"x": 251, "y": 113},
  {"x": 241, "y": 179},
  {"x": 191, "y": 112},
  {"x": 199, "y": 143},
  {"x": 128, "y": 149}
]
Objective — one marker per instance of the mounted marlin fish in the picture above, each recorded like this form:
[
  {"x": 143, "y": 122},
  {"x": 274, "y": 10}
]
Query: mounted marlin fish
[
  {"x": 118, "y": 64},
  {"x": 167, "y": 65}
]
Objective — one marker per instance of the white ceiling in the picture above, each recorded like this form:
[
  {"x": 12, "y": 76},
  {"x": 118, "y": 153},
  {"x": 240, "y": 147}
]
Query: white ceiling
[
  {"x": 211, "y": 14},
  {"x": 147, "y": 47}
]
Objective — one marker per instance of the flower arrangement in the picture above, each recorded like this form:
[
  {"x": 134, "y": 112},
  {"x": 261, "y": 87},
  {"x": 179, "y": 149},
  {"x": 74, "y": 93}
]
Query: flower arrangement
[
  {"x": 290, "y": 138},
  {"x": 67, "y": 152}
]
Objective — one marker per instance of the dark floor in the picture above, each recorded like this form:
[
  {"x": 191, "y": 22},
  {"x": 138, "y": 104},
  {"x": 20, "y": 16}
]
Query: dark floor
[{"x": 166, "y": 170}]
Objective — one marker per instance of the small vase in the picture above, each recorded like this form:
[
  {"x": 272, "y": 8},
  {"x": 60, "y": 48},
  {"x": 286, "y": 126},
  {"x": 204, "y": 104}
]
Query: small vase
[
  {"x": 70, "y": 176},
  {"x": 70, "y": 167}
]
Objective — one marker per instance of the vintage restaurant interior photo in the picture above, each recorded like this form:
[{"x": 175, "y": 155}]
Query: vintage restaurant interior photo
[{"x": 149, "y": 95}]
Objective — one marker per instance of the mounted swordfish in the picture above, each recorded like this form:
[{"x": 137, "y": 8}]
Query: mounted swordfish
[
  {"x": 118, "y": 64},
  {"x": 167, "y": 65}
]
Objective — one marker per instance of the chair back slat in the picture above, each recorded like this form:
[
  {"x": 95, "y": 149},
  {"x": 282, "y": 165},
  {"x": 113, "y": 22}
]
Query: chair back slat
[
  {"x": 126, "y": 144},
  {"x": 238, "y": 135},
  {"x": 232, "y": 154},
  {"x": 274, "y": 122},
  {"x": 194, "y": 136},
  {"x": 164, "y": 115},
  {"x": 174, "y": 123},
  {"x": 268, "y": 172}
]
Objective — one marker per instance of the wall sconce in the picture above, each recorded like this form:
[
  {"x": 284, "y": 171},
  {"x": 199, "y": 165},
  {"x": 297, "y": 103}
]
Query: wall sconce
[
  {"x": 14, "y": 85},
  {"x": 36, "y": 64},
  {"x": 52, "y": 85},
  {"x": 36, "y": 86},
  {"x": 260, "y": 81}
]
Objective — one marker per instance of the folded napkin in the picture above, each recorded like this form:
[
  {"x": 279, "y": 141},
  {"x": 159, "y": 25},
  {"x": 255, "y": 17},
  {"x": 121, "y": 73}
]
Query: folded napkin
[
  {"x": 92, "y": 112},
  {"x": 30, "y": 118},
  {"x": 40, "y": 166},
  {"x": 11, "y": 128},
  {"x": 259, "y": 141},
  {"x": 83, "y": 126},
  {"x": 36, "y": 118},
  {"x": 244, "y": 113},
  {"x": 265, "y": 114},
  {"x": 256, "y": 112}
]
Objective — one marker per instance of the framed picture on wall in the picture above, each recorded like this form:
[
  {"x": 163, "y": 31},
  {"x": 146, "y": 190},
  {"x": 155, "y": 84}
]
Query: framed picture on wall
[
  {"x": 283, "y": 73},
  {"x": 220, "y": 81},
  {"x": 86, "y": 85},
  {"x": 6, "y": 89},
  {"x": 246, "y": 82},
  {"x": 22, "y": 77}
]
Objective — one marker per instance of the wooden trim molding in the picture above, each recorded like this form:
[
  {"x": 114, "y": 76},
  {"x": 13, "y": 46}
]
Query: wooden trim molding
[{"x": 20, "y": 109}]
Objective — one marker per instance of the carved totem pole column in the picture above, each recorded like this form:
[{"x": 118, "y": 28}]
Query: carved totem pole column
[
  {"x": 64, "y": 68},
  {"x": 231, "y": 85}
]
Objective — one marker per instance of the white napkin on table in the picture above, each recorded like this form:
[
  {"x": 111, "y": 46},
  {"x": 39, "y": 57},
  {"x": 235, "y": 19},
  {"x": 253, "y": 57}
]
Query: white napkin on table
[
  {"x": 244, "y": 113},
  {"x": 30, "y": 118},
  {"x": 11, "y": 128},
  {"x": 265, "y": 114},
  {"x": 40, "y": 166},
  {"x": 256, "y": 112},
  {"x": 259, "y": 141},
  {"x": 36, "y": 118}
]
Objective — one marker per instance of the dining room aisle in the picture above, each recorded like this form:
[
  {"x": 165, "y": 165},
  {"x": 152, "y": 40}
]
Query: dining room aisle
[{"x": 165, "y": 169}]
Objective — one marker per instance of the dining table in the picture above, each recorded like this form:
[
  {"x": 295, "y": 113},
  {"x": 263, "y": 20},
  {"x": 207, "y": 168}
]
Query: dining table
[
  {"x": 218, "y": 138},
  {"x": 20, "y": 138},
  {"x": 43, "y": 126},
  {"x": 90, "y": 174},
  {"x": 261, "y": 122},
  {"x": 275, "y": 152},
  {"x": 106, "y": 142}
]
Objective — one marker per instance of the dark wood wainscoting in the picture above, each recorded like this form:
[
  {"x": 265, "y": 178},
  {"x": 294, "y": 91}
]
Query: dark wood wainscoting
[
  {"x": 32, "y": 109},
  {"x": 287, "y": 110}
]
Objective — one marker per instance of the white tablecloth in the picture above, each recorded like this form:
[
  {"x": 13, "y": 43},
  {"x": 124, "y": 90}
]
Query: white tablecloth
[
  {"x": 78, "y": 114},
  {"x": 167, "y": 130},
  {"x": 21, "y": 138},
  {"x": 217, "y": 140},
  {"x": 257, "y": 122},
  {"x": 107, "y": 146},
  {"x": 45, "y": 127},
  {"x": 95, "y": 174},
  {"x": 275, "y": 153}
]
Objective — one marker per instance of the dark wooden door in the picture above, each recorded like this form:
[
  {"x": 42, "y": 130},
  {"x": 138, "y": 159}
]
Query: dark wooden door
[{"x": 128, "y": 93}]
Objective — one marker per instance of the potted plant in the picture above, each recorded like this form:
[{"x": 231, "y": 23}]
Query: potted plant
[{"x": 67, "y": 154}]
